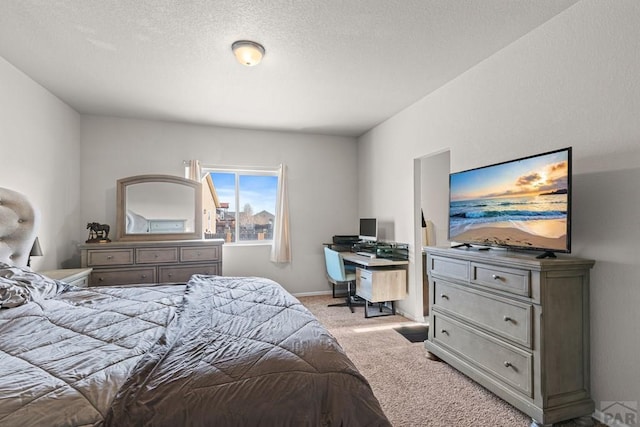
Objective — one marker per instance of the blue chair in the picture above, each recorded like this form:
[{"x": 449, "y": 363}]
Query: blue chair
[{"x": 338, "y": 275}]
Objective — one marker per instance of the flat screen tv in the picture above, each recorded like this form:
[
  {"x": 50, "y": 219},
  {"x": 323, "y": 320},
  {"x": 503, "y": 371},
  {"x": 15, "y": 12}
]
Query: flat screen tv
[
  {"x": 368, "y": 229},
  {"x": 522, "y": 204}
]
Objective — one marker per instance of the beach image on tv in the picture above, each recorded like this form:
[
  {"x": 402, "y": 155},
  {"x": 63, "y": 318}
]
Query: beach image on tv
[{"x": 521, "y": 203}]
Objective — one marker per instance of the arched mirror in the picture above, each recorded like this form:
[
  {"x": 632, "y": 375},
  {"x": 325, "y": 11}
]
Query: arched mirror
[{"x": 158, "y": 207}]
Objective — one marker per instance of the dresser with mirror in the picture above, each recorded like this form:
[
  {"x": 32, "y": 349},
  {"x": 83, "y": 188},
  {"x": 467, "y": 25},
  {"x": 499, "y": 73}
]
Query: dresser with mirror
[{"x": 159, "y": 235}]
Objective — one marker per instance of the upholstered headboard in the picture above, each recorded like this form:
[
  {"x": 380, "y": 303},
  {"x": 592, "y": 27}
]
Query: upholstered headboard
[{"x": 19, "y": 222}]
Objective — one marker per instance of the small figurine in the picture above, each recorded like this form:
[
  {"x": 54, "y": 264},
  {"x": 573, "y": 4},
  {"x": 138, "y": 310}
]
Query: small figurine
[{"x": 98, "y": 233}]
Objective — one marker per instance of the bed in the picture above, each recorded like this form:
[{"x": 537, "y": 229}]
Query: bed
[{"x": 217, "y": 351}]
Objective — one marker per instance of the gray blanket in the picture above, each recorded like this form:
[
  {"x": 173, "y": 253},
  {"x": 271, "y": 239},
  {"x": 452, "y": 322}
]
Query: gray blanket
[
  {"x": 228, "y": 351},
  {"x": 243, "y": 352}
]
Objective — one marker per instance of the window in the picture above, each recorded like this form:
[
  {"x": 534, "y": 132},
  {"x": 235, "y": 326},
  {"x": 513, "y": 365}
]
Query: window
[{"x": 239, "y": 205}]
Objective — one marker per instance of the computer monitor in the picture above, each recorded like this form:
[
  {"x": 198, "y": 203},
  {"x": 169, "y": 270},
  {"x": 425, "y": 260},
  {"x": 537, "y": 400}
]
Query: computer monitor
[{"x": 368, "y": 229}]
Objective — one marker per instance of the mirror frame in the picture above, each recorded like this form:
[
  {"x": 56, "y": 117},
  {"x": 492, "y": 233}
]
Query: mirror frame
[{"x": 121, "y": 208}]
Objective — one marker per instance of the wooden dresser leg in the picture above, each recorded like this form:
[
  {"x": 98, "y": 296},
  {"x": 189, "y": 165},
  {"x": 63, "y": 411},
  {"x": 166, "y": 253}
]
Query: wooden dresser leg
[
  {"x": 585, "y": 421},
  {"x": 433, "y": 357}
]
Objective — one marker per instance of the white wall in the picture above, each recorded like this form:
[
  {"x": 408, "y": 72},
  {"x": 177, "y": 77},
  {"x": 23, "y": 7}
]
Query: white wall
[
  {"x": 322, "y": 183},
  {"x": 571, "y": 82},
  {"x": 40, "y": 157}
]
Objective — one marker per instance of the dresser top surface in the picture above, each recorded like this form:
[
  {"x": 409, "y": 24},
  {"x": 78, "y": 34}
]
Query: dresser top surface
[
  {"x": 153, "y": 244},
  {"x": 511, "y": 257}
]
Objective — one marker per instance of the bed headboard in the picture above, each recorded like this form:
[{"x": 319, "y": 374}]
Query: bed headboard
[{"x": 19, "y": 222}]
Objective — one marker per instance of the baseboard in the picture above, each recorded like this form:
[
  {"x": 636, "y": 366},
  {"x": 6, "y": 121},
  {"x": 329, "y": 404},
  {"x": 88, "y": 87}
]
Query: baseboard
[
  {"x": 410, "y": 316},
  {"x": 311, "y": 294}
]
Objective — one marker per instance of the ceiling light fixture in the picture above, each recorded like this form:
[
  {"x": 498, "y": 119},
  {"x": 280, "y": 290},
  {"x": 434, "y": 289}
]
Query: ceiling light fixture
[{"x": 247, "y": 52}]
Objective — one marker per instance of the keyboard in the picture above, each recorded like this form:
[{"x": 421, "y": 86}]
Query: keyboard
[{"x": 367, "y": 254}]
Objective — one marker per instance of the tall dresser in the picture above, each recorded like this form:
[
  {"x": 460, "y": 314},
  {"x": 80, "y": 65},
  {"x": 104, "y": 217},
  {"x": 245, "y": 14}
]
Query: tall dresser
[
  {"x": 517, "y": 325},
  {"x": 145, "y": 262}
]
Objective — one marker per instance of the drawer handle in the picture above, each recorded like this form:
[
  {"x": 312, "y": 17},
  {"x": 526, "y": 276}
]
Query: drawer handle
[
  {"x": 508, "y": 319},
  {"x": 155, "y": 255},
  {"x": 444, "y": 296},
  {"x": 100, "y": 279},
  {"x": 109, "y": 256},
  {"x": 444, "y": 332},
  {"x": 144, "y": 276},
  {"x": 510, "y": 365},
  {"x": 170, "y": 274},
  {"x": 496, "y": 277}
]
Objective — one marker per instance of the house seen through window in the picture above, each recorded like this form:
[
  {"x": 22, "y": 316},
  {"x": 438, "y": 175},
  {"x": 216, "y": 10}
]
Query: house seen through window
[{"x": 239, "y": 205}]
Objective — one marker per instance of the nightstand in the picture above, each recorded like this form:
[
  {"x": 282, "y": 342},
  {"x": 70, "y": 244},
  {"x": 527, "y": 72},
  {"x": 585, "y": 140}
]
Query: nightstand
[{"x": 73, "y": 276}]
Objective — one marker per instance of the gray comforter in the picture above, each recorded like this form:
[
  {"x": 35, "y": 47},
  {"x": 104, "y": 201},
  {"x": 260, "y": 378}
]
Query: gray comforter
[
  {"x": 62, "y": 360},
  {"x": 228, "y": 351}
]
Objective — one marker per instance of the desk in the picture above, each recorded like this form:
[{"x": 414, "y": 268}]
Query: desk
[
  {"x": 379, "y": 280},
  {"x": 367, "y": 262}
]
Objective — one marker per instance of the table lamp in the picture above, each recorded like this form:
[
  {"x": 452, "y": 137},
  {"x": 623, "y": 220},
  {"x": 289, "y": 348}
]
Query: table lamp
[{"x": 36, "y": 250}]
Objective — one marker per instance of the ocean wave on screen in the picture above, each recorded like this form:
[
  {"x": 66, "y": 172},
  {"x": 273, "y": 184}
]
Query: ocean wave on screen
[{"x": 521, "y": 214}]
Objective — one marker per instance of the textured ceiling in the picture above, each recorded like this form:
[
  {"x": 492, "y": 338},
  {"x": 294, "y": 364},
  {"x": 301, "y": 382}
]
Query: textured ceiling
[{"x": 335, "y": 67}]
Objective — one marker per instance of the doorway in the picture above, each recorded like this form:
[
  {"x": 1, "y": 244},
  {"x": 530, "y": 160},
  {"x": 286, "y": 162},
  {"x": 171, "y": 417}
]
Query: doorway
[{"x": 431, "y": 200}]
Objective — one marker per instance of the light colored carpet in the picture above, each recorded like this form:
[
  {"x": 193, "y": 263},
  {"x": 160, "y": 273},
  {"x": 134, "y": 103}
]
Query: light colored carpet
[{"x": 413, "y": 390}]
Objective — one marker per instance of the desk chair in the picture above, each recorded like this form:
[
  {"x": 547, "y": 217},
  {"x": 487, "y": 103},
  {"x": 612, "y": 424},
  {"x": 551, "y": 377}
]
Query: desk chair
[{"x": 339, "y": 275}]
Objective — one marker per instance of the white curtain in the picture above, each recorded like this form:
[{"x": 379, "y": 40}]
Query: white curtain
[
  {"x": 281, "y": 246},
  {"x": 193, "y": 170}
]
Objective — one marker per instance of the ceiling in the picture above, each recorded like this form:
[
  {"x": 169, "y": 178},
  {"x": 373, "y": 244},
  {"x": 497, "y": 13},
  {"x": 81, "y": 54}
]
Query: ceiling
[{"x": 335, "y": 67}]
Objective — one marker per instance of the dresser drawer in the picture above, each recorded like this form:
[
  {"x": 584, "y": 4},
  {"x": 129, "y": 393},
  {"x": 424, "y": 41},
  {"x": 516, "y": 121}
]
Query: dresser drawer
[
  {"x": 381, "y": 285},
  {"x": 509, "y": 364},
  {"x": 507, "y": 318},
  {"x": 195, "y": 254},
  {"x": 364, "y": 284},
  {"x": 512, "y": 280},
  {"x": 156, "y": 255},
  {"x": 450, "y": 268},
  {"x": 109, "y": 257},
  {"x": 181, "y": 274},
  {"x": 81, "y": 282},
  {"x": 145, "y": 262},
  {"x": 124, "y": 276}
]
